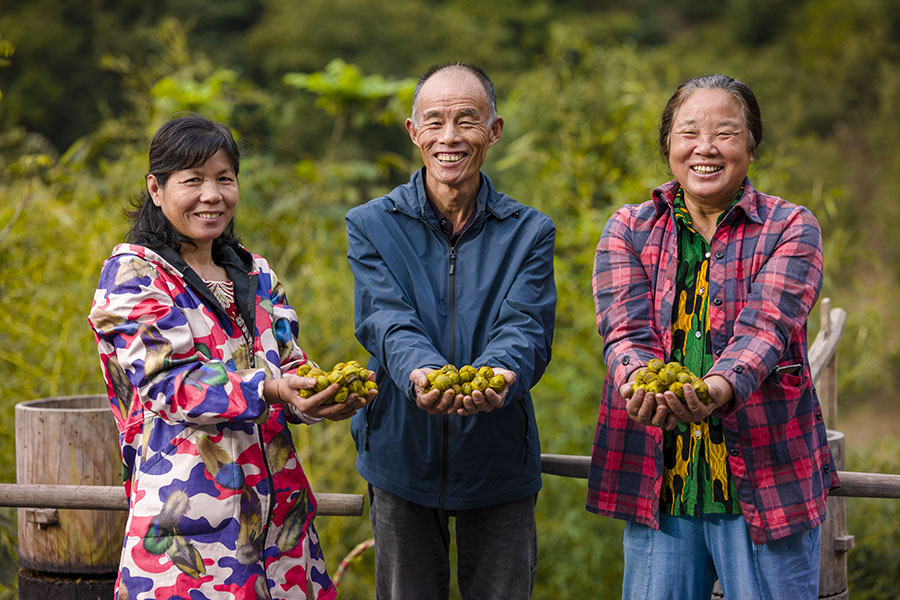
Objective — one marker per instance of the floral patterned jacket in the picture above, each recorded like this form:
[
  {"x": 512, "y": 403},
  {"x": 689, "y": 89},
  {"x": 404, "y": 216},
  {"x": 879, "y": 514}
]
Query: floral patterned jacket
[{"x": 219, "y": 504}]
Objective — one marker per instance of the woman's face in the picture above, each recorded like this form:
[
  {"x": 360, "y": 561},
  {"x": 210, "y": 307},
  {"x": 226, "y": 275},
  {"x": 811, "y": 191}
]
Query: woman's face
[
  {"x": 198, "y": 202},
  {"x": 709, "y": 147}
]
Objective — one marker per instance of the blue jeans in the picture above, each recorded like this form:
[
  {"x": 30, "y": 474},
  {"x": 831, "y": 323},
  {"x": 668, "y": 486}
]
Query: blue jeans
[
  {"x": 680, "y": 561},
  {"x": 496, "y": 549}
]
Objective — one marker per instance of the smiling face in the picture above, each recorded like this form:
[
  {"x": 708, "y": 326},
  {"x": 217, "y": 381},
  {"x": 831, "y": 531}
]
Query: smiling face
[
  {"x": 453, "y": 130},
  {"x": 199, "y": 202},
  {"x": 709, "y": 147}
]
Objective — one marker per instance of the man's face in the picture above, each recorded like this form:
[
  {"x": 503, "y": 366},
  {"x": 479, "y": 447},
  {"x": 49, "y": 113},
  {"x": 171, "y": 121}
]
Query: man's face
[{"x": 453, "y": 129}]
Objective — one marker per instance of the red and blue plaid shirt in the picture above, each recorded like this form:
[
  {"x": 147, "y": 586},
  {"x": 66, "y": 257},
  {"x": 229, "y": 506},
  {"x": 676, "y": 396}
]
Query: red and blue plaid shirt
[{"x": 765, "y": 274}]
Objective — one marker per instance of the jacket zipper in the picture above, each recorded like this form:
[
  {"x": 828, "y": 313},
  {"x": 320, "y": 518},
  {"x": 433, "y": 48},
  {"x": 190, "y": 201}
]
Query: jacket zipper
[
  {"x": 451, "y": 326},
  {"x": 271, "y": 481},
  {"x": 262, "y": 445}
]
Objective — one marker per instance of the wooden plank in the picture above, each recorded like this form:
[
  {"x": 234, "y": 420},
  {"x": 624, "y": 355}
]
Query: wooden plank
[
  {"x": 108, "y": 497},
  {"x": 825, "y": 345},
  {"x": 867, "y": 485},
  {"x": 853, "y": 484}
]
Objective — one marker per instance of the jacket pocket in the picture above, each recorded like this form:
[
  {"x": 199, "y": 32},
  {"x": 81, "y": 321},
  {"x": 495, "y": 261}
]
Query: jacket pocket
[
  {"x": 790, "y": 372},
  {"x": 191, "y": 484}
]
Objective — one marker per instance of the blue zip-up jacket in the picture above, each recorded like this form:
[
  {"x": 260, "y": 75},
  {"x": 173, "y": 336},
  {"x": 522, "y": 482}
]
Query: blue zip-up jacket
[{"x": 489, "y": 299}]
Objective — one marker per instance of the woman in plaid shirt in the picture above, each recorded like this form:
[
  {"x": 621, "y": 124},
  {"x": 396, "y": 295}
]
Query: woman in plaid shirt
[{"x": 721, "y": 278}]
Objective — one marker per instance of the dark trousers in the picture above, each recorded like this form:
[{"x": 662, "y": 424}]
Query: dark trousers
[{"x": 496, "y": 549}]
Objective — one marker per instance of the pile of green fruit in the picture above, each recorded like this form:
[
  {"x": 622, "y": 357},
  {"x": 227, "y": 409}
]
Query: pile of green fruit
[
  {"x": 465, "y": 380},
  {"x": 658, "y": 377},
  {"x": 350, "y": 376}
]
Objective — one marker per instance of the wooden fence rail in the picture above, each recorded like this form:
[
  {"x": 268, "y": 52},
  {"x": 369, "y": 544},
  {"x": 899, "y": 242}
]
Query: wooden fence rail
[
  {"x": 112, "y": 497},
  {"x": 853, "y": 484},
  {"x": 107, "y": 497}
]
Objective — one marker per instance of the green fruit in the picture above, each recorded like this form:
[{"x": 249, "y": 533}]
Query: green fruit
[
  {"x": 479, "y": 383},
  {"x": 467, "y": 389},
  {"x": 442, "y": 383},
  {"x": 322, "y": 382},
  {"x": 341, "y": 395},
  {"x": 641, "y": 375},
  {"x": 467, "y": 373},
  {"x": 432, "y": 375},
  {"x": 677, "y": 389},
  {"x": 449, "y": 369},
  {"x": 486, "y": 372},
  {"x": 315, "y": 372},
  {"x": 371, "y": 385},
  {"x": 702, "y": 390},
  {"x": 655, "y": 365},
  {"x": 306, "y": 393},
  {"x": 665, "y": 377},
  {"x": 683, "y": 377},
  {"x": 337, "y": 377},
  {"x": 303, "y": 369},
  {"x": 653, "y": 387},
  {"x": 497, "y": 383}
]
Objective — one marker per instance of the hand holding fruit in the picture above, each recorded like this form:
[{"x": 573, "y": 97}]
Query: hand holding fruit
[
  {"x": 334, "y": 395},
  {"x": 350, "y": 377},
  {"x": 657, "y": 377},
  {"x": 463, "y": 391},
  {"x": 653, "y": 398}
]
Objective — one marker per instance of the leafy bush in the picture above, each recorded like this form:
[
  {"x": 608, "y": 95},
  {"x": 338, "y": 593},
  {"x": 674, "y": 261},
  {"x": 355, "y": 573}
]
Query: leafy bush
[{"x": 872, "y": 564}]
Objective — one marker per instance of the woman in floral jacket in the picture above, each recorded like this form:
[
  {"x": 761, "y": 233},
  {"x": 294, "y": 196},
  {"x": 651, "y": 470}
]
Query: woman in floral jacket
[{"x": 198, "y": 348}]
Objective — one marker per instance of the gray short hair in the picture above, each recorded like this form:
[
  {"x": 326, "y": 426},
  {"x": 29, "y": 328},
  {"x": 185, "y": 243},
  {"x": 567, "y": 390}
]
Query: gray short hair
[
  {"x": 739, "y": 90},
  {"x": 486, "y": 82}
]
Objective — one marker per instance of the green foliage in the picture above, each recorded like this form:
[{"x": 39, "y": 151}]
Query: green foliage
[
  {"x": 316, "y": 93},
  {"x": 872, "y": 563},
  {"x": 6, "y": 52}
]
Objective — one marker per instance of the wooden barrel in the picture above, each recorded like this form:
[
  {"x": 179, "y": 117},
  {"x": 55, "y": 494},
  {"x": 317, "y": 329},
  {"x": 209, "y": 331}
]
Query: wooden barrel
[
  {"x": 834, "y": 539},
  {"x": 69, "y": 441}
]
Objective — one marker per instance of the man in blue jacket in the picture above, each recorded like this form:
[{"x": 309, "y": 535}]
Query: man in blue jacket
[{"x": 449, "y": 271}]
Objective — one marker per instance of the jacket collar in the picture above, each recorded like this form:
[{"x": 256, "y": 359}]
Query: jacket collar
[
  {"x": 411, "y": 199},
  {"x": 750, "y": 202},
  {"x": 237, "y": 261}
]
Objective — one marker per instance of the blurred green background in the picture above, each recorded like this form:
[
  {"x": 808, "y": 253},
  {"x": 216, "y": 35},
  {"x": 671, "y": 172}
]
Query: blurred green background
[{"x": 316, "y": 92}]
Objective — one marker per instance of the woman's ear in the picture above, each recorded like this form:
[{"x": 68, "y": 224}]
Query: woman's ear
[{"x": 153, "y": 188}]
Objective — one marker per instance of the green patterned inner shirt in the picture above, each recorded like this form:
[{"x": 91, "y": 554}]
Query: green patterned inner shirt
[{"x": 697, "y": 478}]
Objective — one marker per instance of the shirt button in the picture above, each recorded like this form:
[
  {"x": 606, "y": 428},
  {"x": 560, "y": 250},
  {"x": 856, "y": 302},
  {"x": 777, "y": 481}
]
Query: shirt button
[
  {"x": 720, "y": 255},
  {"x": 697, "y": 434},
  {"x": 738, "y": 369},
  {"x": 698, "y": 335},
  {"x": 826, "y": 468},
  {"x": 734, "y": 452},
  {"x": 719, "y": 352},
  {"x": 701, "y": 290},
  {"x": 717, "y": 301},
  {"x": 626, "y": 360},
  {"x": 707, "y": 255},
  {"x": 818, "y": 415}
]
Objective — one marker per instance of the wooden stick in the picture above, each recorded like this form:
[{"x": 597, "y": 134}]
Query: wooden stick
[
  {"x": 112, "y": 497},
  {"x": 853, "y": 484}
]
